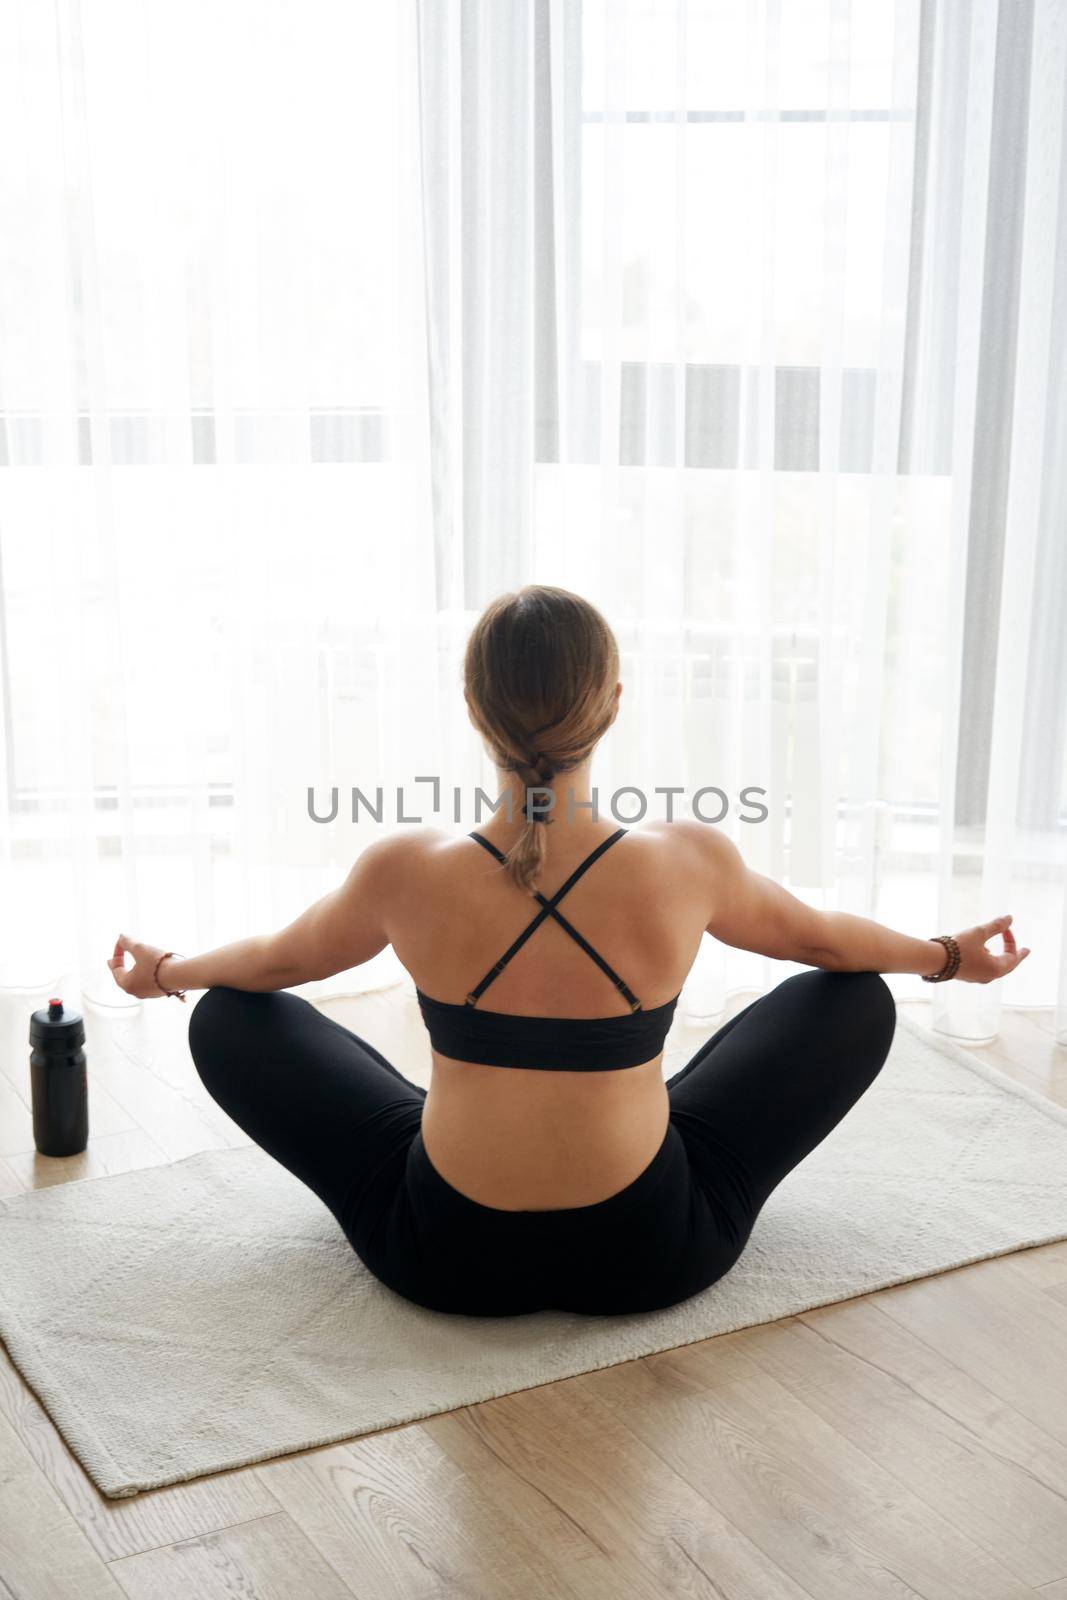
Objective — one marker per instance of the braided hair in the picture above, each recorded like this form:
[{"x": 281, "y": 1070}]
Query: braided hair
[{"x": 539, "y": 679}]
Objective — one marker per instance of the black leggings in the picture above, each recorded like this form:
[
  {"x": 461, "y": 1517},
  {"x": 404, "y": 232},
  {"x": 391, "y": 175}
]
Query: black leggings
[{"x": 751, "y": 1104}]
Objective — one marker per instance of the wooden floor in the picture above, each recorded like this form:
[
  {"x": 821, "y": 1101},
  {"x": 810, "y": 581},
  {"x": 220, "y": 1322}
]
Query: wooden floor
[{"x": 909, "y": 1443}]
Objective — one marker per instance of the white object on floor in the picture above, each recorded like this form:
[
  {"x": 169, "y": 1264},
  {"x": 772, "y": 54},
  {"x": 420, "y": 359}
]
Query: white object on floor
[{"x": 185, "y": 1319}]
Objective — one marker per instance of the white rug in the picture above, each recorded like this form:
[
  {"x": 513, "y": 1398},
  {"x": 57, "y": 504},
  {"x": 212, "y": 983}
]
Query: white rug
[{"x": 168, "y": 1337}]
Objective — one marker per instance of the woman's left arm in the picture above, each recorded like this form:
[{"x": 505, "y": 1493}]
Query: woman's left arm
[{"x": 343, "y": 929}]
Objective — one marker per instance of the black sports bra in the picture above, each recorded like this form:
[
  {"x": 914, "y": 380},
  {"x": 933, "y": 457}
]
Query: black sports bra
[{"x": 561, "y": 1044}]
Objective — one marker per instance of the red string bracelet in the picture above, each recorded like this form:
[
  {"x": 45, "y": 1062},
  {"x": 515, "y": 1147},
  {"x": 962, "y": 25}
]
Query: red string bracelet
[{"x": 178, "y": 994}]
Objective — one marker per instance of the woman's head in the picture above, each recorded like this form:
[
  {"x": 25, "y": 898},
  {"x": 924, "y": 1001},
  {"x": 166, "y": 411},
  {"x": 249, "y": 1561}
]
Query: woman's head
[{"x": 540, "y": 677}]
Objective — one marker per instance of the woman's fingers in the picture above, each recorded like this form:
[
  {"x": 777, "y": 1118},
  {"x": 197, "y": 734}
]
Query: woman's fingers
[
  {"x": 984, "y": 965},
  {"x": 1011, "y": 950},
  {"x": 138, "y": 979},
  {"x": 117, "y": 961}
]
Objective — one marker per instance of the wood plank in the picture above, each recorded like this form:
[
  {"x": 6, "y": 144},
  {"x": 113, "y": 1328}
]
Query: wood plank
[
  {"x": 101, "y": 1158},
  {"x": 172, "y": 1105},
  {"x": 606, "y": 1487},
  {"x": 1000, "y": 1330},
  {"x": 1058, "y": 1292},
  {"x": 269, "y": 1559},
  {"x": 997, "y": 1502},
  {"x": 1045, "y": 1265},
  {"x": 1043, "y": 1017},
  {"x": 864, "y": 1329},
  {"x": 413, "y": 1521},
  {"x": 118, "y": 1528},
  {"x": 16, "y": 1123},
  {"x": 1022, "y": 1050},
  {"x": 821, "y": 1509},
  {"x": 9, "y": 1183},
  {"x": 43, "y": 1553}
]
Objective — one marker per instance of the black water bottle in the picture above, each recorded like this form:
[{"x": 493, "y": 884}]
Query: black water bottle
[{"x": 59, "y": 1087}]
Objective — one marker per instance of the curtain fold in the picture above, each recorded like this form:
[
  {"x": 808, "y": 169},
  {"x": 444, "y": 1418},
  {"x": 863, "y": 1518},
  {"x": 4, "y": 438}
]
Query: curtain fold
[{"x": 320, "y": 326}]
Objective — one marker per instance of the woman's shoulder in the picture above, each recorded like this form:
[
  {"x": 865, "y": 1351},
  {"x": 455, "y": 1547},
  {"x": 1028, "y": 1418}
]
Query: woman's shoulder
[
  {"x": 682, "y": 845},
  {"x": 682, "y": 837},
  {"x": 679, "y": 860},
  {"x": 699, "y": 855},
  {"x": 407, "y": 854},
  {"x": 404, "y": 846}
]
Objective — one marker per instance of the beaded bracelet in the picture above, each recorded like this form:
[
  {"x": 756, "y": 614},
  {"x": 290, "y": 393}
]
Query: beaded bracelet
[
  {"x": 952, "y": 959},
  {"x": 178, "y": 994}
]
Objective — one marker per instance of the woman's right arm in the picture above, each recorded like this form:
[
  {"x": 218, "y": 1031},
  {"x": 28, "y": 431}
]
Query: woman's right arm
[{"x": 752, "y": 912}]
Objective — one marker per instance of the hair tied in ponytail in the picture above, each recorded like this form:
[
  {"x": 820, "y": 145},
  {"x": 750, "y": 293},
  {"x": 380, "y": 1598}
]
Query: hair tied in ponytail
[
  {"x": 541, "y": 663},
  {"x": 532, "y": 816},
  {"x": 535, "y": 765}
]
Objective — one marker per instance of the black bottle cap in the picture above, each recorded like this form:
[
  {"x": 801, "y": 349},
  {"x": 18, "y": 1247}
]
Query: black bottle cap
[{"x": 57, "y": 1029}]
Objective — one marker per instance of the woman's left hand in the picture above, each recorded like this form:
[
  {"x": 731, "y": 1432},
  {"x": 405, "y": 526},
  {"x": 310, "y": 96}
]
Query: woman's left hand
[{"x": 138, "y": 980}]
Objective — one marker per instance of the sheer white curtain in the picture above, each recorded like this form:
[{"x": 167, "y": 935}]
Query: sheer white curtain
[{"x": 321, "y": 325}]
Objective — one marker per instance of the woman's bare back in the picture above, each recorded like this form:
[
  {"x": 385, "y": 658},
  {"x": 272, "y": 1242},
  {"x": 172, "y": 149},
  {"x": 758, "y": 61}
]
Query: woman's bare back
[{"x": 520, "y": 1139}]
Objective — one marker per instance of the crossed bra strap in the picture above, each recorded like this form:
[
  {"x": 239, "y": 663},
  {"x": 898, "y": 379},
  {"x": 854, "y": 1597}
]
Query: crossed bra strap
[{"x": 548, "y": 909}]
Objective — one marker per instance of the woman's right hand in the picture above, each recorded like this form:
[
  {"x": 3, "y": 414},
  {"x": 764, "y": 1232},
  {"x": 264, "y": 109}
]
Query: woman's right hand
[
  {"x": 979, "y": 965},
  {"x": 140, "y": 979}
]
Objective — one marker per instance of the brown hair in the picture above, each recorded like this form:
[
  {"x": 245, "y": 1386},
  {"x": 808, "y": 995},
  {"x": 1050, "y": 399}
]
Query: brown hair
[{"x": 539, "y": 679}]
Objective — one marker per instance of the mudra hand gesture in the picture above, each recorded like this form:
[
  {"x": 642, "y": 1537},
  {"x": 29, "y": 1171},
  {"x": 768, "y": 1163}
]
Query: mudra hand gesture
[
  {"x": 979, "y": 965},
  {"x": 146, "y": 979}
]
